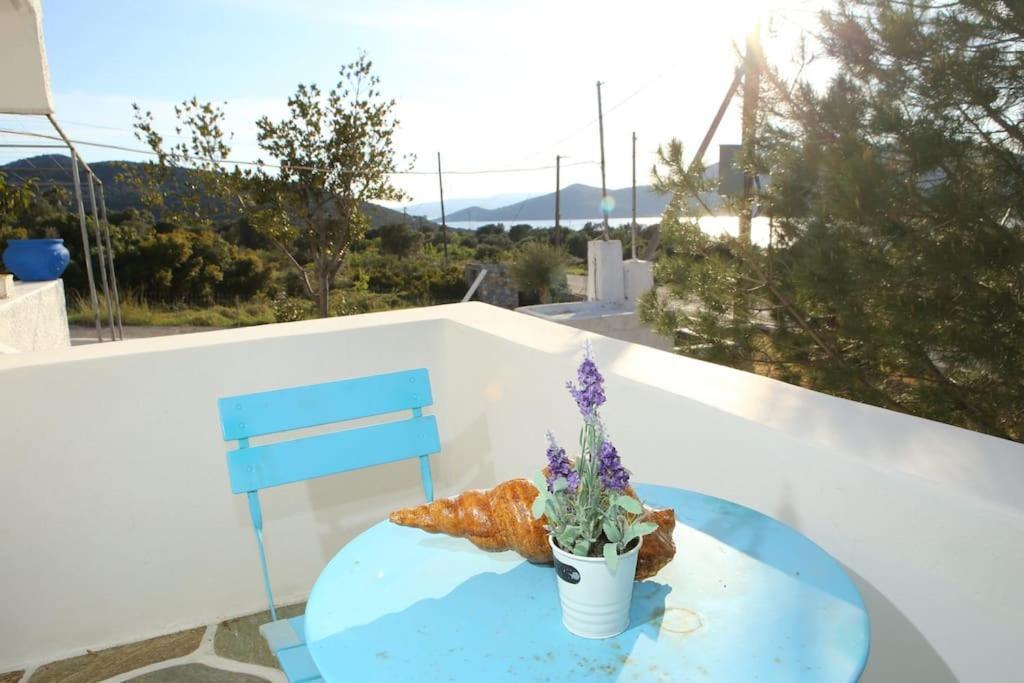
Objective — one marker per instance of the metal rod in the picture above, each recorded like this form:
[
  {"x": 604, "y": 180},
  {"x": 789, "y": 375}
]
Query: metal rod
[
  {"x": 632, "y": 240},
  {"x": 444, "y": 223},
  {"x": 476, "y": 283},
  {"x": 6, "y": 146},
  {"x": 98, "y": 229},
  {"x": 110, "y": 257},
  {"x": 66, "y": 139},
  {"x": 604, "y": 191},
  {"x": 85, "y": 242},
  {"x": 736, "y": 79}
]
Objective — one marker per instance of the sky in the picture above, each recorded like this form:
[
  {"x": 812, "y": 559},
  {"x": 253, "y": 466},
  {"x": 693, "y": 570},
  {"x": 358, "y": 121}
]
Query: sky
[{"x": 489, "y": 85}]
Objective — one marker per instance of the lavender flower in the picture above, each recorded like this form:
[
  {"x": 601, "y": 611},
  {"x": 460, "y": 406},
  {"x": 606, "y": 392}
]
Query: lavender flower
[
  {"x": 609, "y": 468},
  {"x": 559, "y": 466},
  {"x": 589, "y": 394}
]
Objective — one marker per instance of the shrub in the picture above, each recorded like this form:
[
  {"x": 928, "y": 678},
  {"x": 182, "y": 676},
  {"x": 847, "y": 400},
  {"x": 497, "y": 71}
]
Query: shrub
[
  {"x": 398, "y": 239},
  {"x": 539, "y": 269},
  {"x": 517, "y": 233}
]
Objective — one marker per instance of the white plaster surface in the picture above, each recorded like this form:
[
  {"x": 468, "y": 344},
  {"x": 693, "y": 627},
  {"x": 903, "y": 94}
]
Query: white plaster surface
[
  {"x": 615, "y": 319},
  {"x": 120, "y": 529},
  {"x": 35, "y": 318},
  {"x": 604, "y": 270},
  {"x": 638, "y": 278}
]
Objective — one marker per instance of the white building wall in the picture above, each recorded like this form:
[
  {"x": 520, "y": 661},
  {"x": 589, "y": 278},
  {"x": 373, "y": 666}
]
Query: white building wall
[
  {"x": 121, "y": 524},
  {"x": 35, "y": 318}
]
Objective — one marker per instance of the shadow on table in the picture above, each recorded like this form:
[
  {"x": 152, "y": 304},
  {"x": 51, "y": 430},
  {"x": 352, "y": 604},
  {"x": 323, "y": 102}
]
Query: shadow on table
[{"x": 491, "y": 627}]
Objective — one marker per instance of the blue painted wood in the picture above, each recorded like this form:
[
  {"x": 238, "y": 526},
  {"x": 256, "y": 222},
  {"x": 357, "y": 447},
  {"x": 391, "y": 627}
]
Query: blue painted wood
[
  {"x": 286, "y": 462},
  {"x": 269, "y": 412},
  {"x": 297, "y": 664},
  {"x": 284, "y": 633},
  {"x": 286, "y": 640},
  {"x": 746, "y": 598},
  {"x": 256, "y": 513},
  {"x": 251, "y": 468}
]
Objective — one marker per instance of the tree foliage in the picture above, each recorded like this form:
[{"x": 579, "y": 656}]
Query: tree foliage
[
  {"x": 334, "y": 154},
  {"x": 191, "y": 170},
  {"x": 895, "y": 273},
  {"x": 329, "y": 155}
]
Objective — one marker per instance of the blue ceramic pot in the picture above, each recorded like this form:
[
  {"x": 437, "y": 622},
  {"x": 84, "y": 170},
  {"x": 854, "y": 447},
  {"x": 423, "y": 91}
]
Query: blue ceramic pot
[{"x": 36, "y": 260}]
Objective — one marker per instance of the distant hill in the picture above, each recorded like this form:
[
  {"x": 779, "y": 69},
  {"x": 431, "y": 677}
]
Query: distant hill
[
  {"x": 56, "y": 168},
  {"x": 451, "y": 205},
  {"x": 582, "y": 202}
]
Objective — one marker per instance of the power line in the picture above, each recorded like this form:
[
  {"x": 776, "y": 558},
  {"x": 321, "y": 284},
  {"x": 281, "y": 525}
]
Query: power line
[
  {"x": 291, "y": 167},
  {"x": 615, "y": 106}
]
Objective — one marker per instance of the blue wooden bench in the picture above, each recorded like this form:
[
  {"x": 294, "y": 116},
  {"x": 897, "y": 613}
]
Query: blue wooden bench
[{"x": 252, "y": 468}]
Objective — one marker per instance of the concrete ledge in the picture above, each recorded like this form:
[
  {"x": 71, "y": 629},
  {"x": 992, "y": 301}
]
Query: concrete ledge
[
  {"x": 615, "y": 319},
  {"x": 35, "y": 318}
]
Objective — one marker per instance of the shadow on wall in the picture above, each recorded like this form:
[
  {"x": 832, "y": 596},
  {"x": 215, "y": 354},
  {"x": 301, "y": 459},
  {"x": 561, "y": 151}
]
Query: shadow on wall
[
  {"x": 899, "y": 652},
  {"x": 347, "y": 504}
]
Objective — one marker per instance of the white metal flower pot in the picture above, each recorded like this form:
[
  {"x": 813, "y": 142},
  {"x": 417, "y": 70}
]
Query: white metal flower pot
[{"x": 595, "y": 601}]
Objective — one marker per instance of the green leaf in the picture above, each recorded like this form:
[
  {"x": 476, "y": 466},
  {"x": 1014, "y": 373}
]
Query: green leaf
[
  {"x": 540, "y": 482},
  {"x": 582, "y": 548},
  {"x": 629, "y": 504},
  {"x": 638, "y": 529},
  {"x": 611, "y": 556},
  {"x": 551, "y": 510},
  {"x": 538, "y": 505},
  {"x": 559, "y": 485},
  {"x": 612, "y": 531}
]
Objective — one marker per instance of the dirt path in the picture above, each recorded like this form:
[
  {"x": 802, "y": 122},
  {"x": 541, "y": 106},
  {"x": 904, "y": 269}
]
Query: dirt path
[{"x": 81, "y": 334}]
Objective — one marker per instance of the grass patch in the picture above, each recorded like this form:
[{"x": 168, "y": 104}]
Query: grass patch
[{"x": 136, "y": 311}]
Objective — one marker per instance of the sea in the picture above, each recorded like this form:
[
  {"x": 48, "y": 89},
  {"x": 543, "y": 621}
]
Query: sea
[{"x": 711, "y": 225}]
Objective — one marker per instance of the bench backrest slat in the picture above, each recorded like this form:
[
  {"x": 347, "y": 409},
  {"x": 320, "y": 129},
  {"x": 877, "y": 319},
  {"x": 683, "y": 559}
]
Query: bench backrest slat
[
  {"x": 281, "y": 410},
  {"x": 259, "y": 467}
]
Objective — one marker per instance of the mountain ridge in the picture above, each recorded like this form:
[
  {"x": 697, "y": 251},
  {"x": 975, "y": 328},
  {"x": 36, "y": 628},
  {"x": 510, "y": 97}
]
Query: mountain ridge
[
  {"x": 56, "y": 169},
  {"x": 579, "y": 202}
]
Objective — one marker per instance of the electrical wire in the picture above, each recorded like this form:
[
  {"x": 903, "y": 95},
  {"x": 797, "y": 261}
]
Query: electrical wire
[{"x": 292, "y": 167}]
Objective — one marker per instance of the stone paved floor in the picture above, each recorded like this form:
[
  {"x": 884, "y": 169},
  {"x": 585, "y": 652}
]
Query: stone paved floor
[{"x": 229, "y": 652}]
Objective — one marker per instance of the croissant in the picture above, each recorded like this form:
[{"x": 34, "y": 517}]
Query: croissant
[{"x": 501, "y": 519}]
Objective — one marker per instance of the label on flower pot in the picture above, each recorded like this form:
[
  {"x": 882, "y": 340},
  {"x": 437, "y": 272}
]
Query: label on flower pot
[{"x": 567, "y": 572}]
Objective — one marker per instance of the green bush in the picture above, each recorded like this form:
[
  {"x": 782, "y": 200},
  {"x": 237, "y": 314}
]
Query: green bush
[
  {"x": 398, "y": 239},
  {"x": 420, "y": 281},
  {"x": 539, "y": 269},
  {"x": 195, "y": 266}
]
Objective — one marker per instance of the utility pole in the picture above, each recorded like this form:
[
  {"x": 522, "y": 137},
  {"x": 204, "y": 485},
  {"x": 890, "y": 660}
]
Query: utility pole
[
  {"x": 751, "y": 83},
  {"x": 604, "y": 191},
  {"x": 633, "y": 231},
  {"x": 444, "y": 223},
  {"x": 654, "y": 236},
  {"x": 558, "y": 200}
]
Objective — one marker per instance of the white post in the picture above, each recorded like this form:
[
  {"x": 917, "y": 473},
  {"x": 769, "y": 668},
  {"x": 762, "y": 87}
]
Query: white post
[
  {"x": 638, "y": 278},
  {"x": 604, "y": 271}
]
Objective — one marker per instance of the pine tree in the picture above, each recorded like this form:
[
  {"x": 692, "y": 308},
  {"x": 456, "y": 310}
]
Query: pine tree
[{"x": 895, "y": 275}]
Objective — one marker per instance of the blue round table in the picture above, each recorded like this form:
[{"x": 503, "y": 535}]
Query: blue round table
[{"x": 746, "y": 598}]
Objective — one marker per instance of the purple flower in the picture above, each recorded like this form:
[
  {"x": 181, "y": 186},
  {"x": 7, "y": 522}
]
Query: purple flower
[
  {"x": 559, "y": 466},
  {"x": 589, "y": 394},
  {"x": 609, "y": 468}
]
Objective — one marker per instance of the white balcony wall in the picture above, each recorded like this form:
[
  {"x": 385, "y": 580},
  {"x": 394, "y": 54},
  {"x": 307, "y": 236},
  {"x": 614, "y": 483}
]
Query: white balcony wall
[{"x": 119, "y": 523}]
